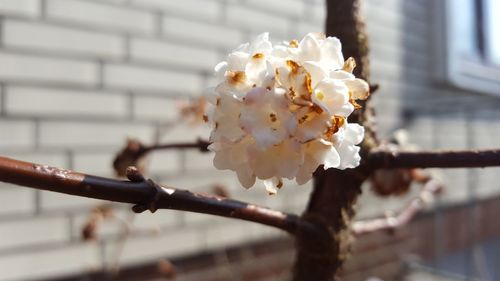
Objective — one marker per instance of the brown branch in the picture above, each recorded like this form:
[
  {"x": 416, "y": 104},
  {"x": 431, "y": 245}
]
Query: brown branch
[
  {"x": 391, "y": 222},
  {"x": 434, "y": 159},
  {"x": 132, "y": 153},
  {"x": 202, "y": 145},
  {"x": 145, "y": 194}
]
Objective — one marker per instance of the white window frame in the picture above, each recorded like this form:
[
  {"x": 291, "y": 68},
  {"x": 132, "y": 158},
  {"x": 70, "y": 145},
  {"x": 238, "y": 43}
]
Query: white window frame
[{"x": 457, "y": 60}]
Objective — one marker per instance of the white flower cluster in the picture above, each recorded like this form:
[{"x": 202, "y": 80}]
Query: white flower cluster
[{"x": 281, "y": 111}]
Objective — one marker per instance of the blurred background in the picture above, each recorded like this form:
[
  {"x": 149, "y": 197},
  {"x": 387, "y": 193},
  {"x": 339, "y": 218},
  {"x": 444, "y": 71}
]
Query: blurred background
[{"x": 80, "y": 77}]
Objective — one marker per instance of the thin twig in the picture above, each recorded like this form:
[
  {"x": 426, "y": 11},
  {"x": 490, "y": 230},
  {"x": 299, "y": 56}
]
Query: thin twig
[
  {"x": 134, "y": 151},
  {"x": 145, "y": 194},
  {"x": 390, "y": 222},
  {"x": 434, "y": 159}
]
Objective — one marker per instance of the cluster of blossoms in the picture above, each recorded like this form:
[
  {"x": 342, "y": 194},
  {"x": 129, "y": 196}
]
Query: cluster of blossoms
[{"x": 281, "y": 111}]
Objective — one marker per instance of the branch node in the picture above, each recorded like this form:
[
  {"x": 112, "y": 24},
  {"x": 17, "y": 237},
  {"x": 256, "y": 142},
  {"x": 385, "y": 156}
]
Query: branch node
[
  {"x": 134, "y": 175},
  {"x": 203, "y": 145}
]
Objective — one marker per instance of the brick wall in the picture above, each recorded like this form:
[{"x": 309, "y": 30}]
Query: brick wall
[
  {"x": 383, "y": 254},
  {"x": 78, "y": 77}
]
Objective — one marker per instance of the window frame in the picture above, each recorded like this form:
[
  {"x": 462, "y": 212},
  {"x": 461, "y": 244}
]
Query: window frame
[{"x": 470, "y": 69}]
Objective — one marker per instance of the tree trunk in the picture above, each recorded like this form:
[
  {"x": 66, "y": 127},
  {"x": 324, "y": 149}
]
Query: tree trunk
[{"x": 331, "y": 205}]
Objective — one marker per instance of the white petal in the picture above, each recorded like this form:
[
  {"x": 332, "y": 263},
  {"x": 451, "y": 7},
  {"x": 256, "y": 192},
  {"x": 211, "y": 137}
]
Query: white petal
[
  {"x": 324, "y": 153},
  {"x": 345, "y": 110},
  {"x": 354, "y": 133},
  {"x": 222, "y": 160},
  {"x": 280, "y": 52},
  {"x": 266, "y": 117},
  {"x": 261, "y": 44},
  {"x": 266, "y": 137},
  {"x": 359, "y": 89},
  {"x": 220, "y": 70},
  {"x": 341, "y": 75},
  {"x": 332, "y": 96},
  {"x": 349, "y": 155},
  {"x": 242, "y": 48},
  {"x": 256, "y": 70},
  {"x": 226, "y": 119},
  {"x": 331, "y": 51},
  {"x": 245, "y": 176},
  {"x": 316, "y": 152},
  {"x": 309, "y": 49},
  {"x": 270, "y": 188},
  {"x": 237, "y": 61},
  {"x": 304, "y": 175},
  {"x": 331, "y": 158},
  {"x": 273, "y": 184},
  {"x": 281, "y": 160},
  {"x": 211, "y": 95},
  {"x": 316, "y": 71},
  {"x": 313, "y": 126}
]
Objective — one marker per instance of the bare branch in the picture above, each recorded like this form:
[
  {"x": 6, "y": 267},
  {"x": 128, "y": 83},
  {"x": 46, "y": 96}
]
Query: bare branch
[
  {"x": 434, "y": 159},
  {"x": 202, "y": 145},
  {"x": 145, "y": 194},
  {"x": 132, "y": 153},
  {"x": 390, "y": 222}
]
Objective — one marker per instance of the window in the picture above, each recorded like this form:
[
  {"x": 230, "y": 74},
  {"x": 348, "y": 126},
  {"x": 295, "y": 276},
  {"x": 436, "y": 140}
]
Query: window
[{"x": 467, "y": 44}]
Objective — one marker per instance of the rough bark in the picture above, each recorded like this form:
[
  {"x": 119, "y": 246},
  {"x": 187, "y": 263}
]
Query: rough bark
[{"x": 331, "y": 205}]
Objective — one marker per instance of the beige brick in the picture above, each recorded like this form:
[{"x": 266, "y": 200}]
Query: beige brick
[
  {"x": 156, "y": 109},
  {"x": 196, "y": 160},
  {"x": 201, "y": 182},
  {"x": 159, "y": 219},
  {"x": 48, "y": 102},
  {"x": 55, "y": 159},
  {"x": 161, "y": 162},
  {"x": 186, "y": 132},
  {"x": 197, "y": 9},
  {"x": 27, "y": 68},
  {"x": 31, "y": 35},
  {"x": 53, "y": 263},
  {"x": 316, "y": 13},
  {"x": 456, "y": 180},
  {"x": 108, "y": 228},
  {"x": 246, "y": 18},
  {"x": 304, "y": 28},
  {"x": 151, "y": 248},
  {"x": 20, "y": 134},
  {"x": 95, "y": 163},
  {"x": 174, "y": 54},
  {"x": 296, "y": 197},
  {"x": 152, "y": 80},
  {"x": 34, "y": 231},
  {"x": 196, "y": 218},
  {"x": 73, "y": 134},
  {"x": 224, "y": 232},
  {"x": 292, "y": 8},
  {"x": 53, "y": 201},
  {"x": 421, "y": 132},
  {"x": 452, "y": 132},
  {"x": 202, "y": 33},
  {"x": 16, "y": 199},
  {"x": 102, "y": 15},
  {"x": 20, "y": 7},
  {"x": 487, "y": 183}
]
